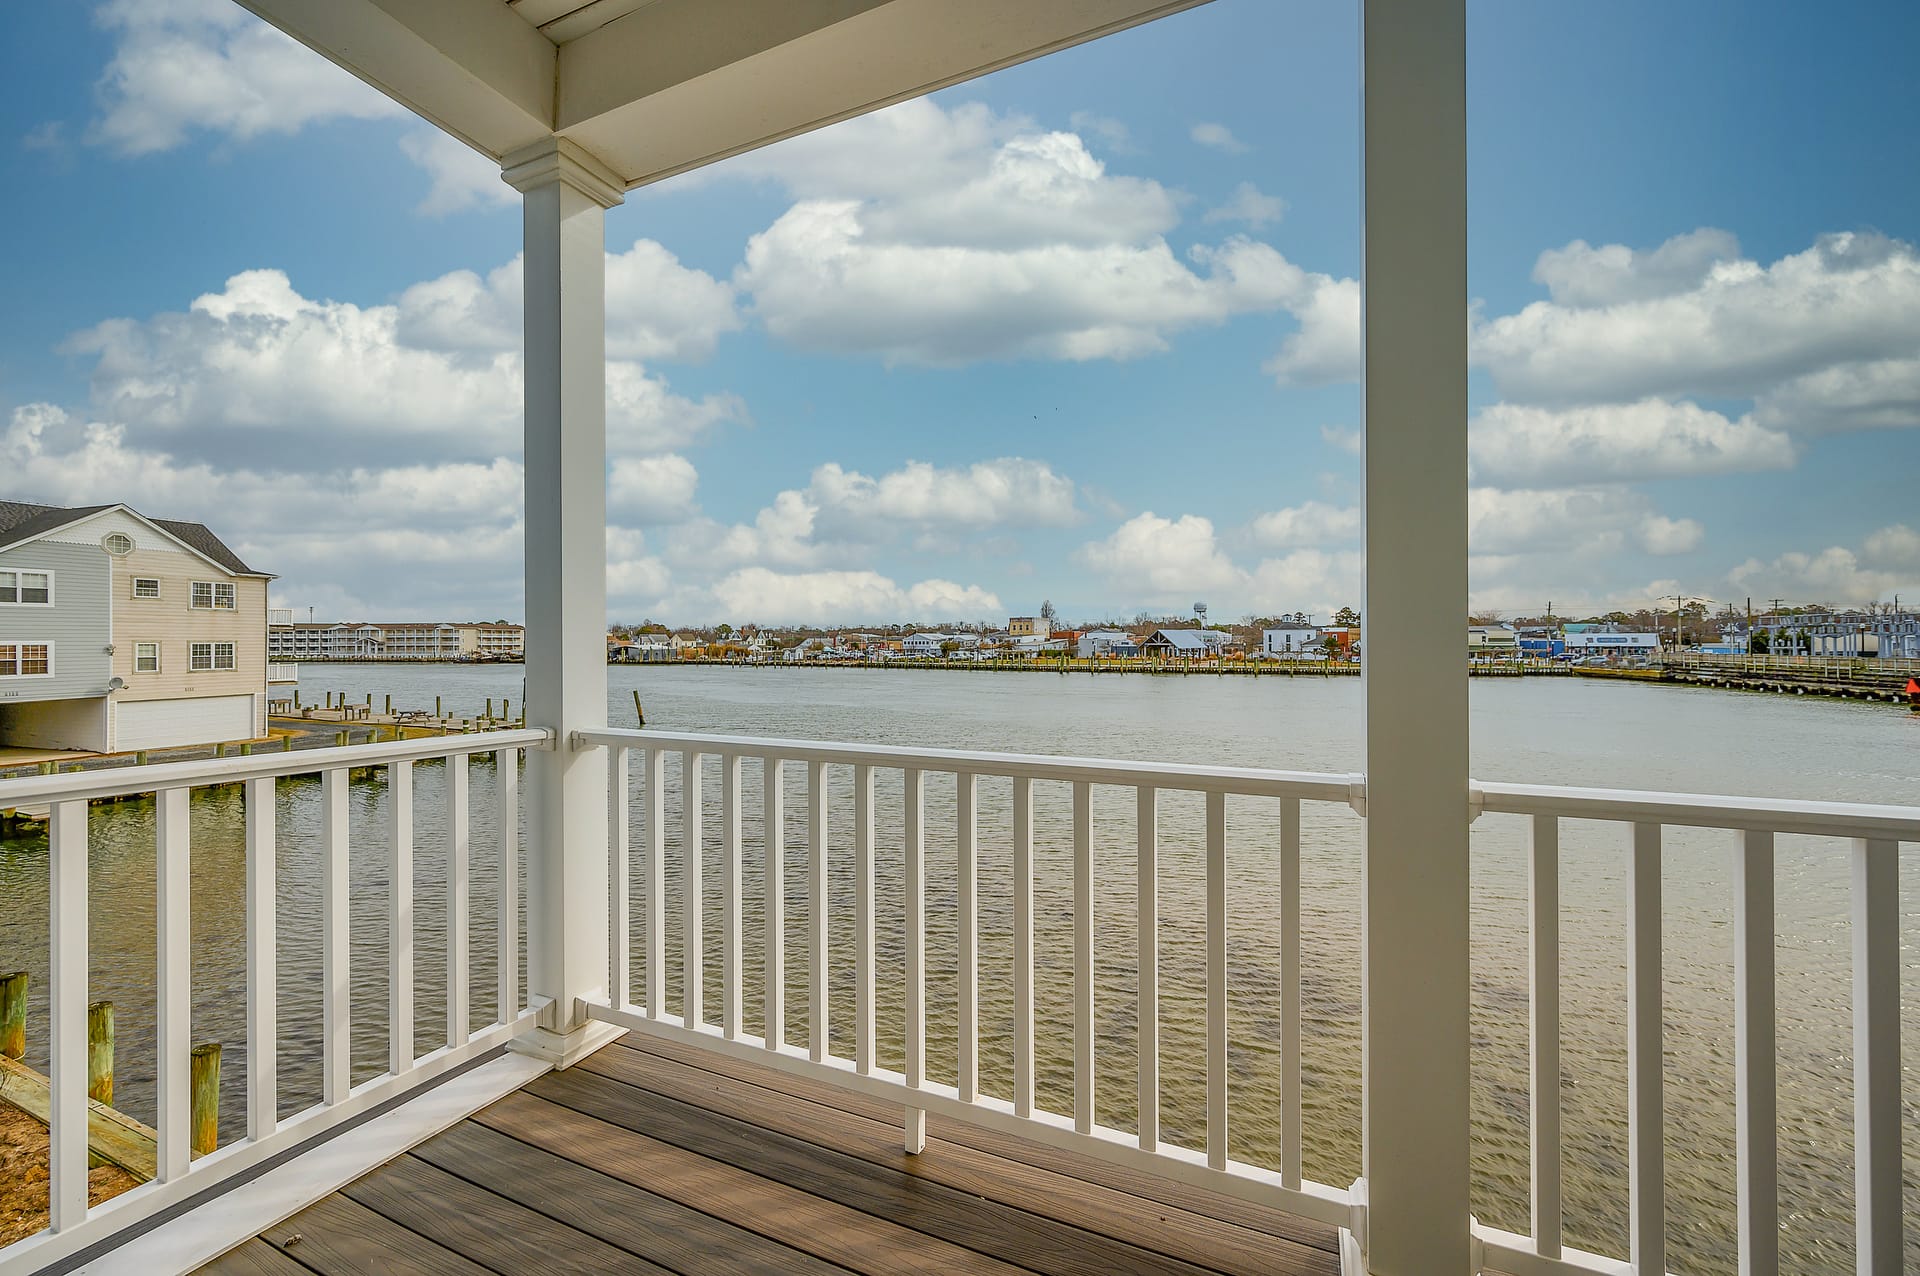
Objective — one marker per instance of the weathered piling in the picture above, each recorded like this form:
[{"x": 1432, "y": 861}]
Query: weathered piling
[
  {"x": 340, "y": 738},
  {"x": 140, "y": 758},
  {"x": 639, "y": 714},
  {"x": 205, "y": 1083},
  {"x": 489, "y": 707},
  {"x": 389, "y": 704},
  {"x": 13, "y": 1014},
  {"x": 436, "y": 708},
  {"x": 286, "y": 744},
  {"x": 100, "y": 1052}
]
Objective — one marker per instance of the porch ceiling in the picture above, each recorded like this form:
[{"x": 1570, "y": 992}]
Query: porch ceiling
[{"x": 656, "y": 87}]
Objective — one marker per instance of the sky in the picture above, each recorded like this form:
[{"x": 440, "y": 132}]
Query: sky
[{"x": 1085, "y": 330}]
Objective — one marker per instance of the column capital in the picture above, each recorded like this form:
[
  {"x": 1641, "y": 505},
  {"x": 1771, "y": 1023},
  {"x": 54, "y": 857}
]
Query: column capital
[{"x": 556, "y": 159}]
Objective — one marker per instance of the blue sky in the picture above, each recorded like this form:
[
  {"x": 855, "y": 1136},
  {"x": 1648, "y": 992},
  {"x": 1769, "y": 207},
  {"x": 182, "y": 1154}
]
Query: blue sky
[{"x": 1083, "y": 330}]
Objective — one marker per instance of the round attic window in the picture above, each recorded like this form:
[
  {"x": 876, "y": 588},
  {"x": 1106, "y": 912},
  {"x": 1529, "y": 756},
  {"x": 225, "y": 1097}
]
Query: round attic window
[{"x": 119, "y": 544}]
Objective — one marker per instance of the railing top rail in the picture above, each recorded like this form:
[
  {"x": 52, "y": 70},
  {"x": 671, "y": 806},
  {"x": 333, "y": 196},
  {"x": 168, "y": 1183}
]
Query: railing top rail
[
  {"x": 1776, "y": 815},
  {"x": 1313, "y": 786},
  {"x": 128, "y": 780}
]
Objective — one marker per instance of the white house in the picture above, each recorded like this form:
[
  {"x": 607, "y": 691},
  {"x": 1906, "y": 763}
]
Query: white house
[
  {"x": 924, "y": 646},
  {"x": 1106, "y": 642},
  {"x": 1291, "y": 642}
]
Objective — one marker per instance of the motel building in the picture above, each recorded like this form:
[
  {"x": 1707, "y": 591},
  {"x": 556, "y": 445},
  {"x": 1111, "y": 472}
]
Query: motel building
[{"x": 627, "y": 1099}]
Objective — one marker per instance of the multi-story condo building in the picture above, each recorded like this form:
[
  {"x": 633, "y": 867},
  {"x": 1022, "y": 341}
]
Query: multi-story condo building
[
  {"x": 122, "y": 632},
  {"x": 410, "y": 640}
]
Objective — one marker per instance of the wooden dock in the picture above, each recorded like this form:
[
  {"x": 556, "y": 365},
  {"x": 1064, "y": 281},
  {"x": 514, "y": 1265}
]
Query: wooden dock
[{"x": 649, "y": 1157}]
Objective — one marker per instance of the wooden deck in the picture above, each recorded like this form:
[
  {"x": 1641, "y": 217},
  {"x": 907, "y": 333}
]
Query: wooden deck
[{"x": 649, "y": 1157}]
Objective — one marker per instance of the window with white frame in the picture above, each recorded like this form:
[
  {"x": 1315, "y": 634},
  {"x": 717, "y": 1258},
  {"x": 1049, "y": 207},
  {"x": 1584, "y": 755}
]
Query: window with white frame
[
  {"x": 26, "y": 589},
  {"x": 146, "y": 657},
  {"x": 26, "y": 660},
  {"x": 212, "y": 655},
  {"x": 215, "y": 594},
  {"x": 146, "y": 586}
]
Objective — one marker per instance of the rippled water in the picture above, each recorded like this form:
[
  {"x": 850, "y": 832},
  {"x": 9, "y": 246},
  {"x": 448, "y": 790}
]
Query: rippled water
[{"x": 1550, "y": 731}]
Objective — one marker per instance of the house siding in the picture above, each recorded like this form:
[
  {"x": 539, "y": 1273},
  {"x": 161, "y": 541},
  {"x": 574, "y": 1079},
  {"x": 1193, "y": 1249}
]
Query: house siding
[
  {"x": 175, "y": 624},
  {"x": 77, "y": 624}
]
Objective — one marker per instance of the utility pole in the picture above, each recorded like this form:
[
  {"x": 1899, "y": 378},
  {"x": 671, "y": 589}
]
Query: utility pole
[{"x": 1676, "y": 622}]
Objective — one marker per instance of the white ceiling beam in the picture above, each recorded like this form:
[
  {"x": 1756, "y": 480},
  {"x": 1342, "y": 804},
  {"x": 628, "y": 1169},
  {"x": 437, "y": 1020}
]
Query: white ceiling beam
[
  {"x": 477, "y": 70},
  {"x": 682, "y": 83}
]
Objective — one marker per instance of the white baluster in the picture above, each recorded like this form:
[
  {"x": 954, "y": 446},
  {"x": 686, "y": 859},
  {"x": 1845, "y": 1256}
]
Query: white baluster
[
  {"x": 818, "y": 1041},
  {"x": 773, "y": 805},
  {"x": 619, "y": 874},
  {"x": 262, "y": 961},
  {"x": 1217, "y": 979},
  {"x": 863, "y": 919},
  {"x": 336, "y": 945},
  {"x": 67, "y": 1008},
  {"x": 1147, "y": 854},
  {"x": 915, "y": 1121},
  {"x": 173, "y": 1011},
  {"x": 1646, "y": 1156},
  {"x": 1083, "y": 956},
  {"x": 399, "y": 917},
  {"x": 1877, "y": 1125},
  {"x": 1755, "y": 1111},
  {"x": 966, "y": 801},
  {"x": 1023, "y": 946},
  {"x": 693, "y": 906},
  {"x": 654, "y": 909},
  {"x": 1291, "y": 1119},
  {"x": 1543, "y": 937},
  {"x": 459, "y": 856},
  {"x": 506, "y": 798},
  {"x": 730, "y": 979}
]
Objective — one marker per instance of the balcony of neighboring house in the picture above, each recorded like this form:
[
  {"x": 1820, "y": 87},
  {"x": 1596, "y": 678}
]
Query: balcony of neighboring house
[{"x": 574, "y": 998}]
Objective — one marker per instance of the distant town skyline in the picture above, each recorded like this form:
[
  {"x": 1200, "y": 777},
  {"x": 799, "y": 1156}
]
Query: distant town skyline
[{"x": 1086, "y": 330}]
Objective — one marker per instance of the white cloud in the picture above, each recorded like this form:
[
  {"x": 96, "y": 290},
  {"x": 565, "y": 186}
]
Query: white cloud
[
  {"x": 1662, "y": 535},
  {"x": 1162, "y": 557},
  {"x": 250, "y": 368},
  {"x": 1344, "y": 437},
  {"x": 1582, "y": 275},
  {"x": 1740, "y": 331},
  {"x": 1250, "y": 206},
  {"x": 1112, "y": 134},
  {"x": 651, "y": 489},
  {"x": 1875, "y": 395},
  {"x": 944, "y": 237},
  {"x": 1595, "y": 521},
  {"x": 181, "y": 66},
  {"x": 755, "y": 594},
  {"x": 1312, "y": 523},
  {"x": 1327, "y": 347},
  {"x": 1888, "y": 563},
  {"x": 1516, "y": 445},
  {"x": 1218, "y": 137},
  {"x": 462, "y": 177}
]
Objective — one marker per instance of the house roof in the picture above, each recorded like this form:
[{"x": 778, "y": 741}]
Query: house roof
[
  {"x": 21, "y": 521},
  {"x": 1181, "y": 639}
]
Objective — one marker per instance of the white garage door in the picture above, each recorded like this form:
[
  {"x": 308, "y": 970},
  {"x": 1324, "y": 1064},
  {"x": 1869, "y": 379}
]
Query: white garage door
[{"x": 161, "y": 724}]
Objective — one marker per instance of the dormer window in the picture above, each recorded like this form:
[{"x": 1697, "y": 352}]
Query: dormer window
[
  {"x": 119, "y": 544},
  {"x": 215, "y": 594}
]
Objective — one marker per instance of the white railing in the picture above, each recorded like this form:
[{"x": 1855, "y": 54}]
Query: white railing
[
  {"x": 73, "y": 1225},
  {"x": 1024, "y": 1111},
  {"x": 1875, "y": 834},
  {"x": 283, "y": 672}
]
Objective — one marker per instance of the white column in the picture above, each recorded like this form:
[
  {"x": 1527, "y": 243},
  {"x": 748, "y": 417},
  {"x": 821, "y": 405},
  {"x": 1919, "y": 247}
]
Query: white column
[
  {"x": 566, "y": 195},
  {"x": 1415, "y": 991}
]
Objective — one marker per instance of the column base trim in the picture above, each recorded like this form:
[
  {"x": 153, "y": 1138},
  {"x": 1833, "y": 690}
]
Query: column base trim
[{"x": 563, "y": 1050}]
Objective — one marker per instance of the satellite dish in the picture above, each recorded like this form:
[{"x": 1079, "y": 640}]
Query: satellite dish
[{"x": 115, "y": 684}]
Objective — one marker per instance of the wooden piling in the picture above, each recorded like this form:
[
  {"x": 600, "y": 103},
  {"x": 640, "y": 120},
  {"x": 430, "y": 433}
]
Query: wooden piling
[
  {"x": 489, "y": 707},
  {"x": 100, "y": 1052},
  {"x": 296, "y": 697},
  {"x": 286, "y": 744},
  {"x": 13, "y": 1014},
  {"x": 436, "y": 707},
  {"x": 246, "y": 748},
  {"x": 140, "y": 758},
  {"x": 205, "y": 1083},
  {"x": 389, "y": 704},
  {"x": 340, "y": 739},
  {"x": 506, "y": 710},
  {"x": 639, "y": 714}
]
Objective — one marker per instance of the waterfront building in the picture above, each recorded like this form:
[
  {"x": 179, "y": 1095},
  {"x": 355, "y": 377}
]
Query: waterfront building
[
  {"x": 1584, "y": 640},
  {"x": 1185, "y": 644},
  {"x": 1096, "y": 643},
  {"x": 1492, "y": 640},
  {"x": 404, "y": 640},
  {"x": 925, "y": 646},
  {"x": 1290, "y": 642},
  {"x": 121, "y": 632},
  {"x": 1029, "y": 627},
  {"x": 1843, "y": 634}
]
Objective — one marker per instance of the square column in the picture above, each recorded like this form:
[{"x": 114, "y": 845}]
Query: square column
[
  {"x": 567, "y": 193},
  {"x": 1414, "y": 1043}
]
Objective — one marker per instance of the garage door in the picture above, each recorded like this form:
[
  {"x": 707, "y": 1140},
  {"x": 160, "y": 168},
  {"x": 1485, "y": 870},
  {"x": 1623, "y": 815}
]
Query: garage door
[{"x": 161, "y": 724}]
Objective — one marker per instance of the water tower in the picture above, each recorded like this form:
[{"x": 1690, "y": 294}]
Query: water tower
[{"x": 1200, "y": 613}]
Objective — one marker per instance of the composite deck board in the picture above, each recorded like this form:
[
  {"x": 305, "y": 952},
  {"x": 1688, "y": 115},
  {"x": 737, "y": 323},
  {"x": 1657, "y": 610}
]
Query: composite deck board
[
  {"x": 1178, "y": 1233},
  {"x": 1264, "y": 1219},
  {"x": 339, "y": 1237},
  {"x": 492, "y": 1230},
  {"x": 619, "y": 1213},
  {"x": 856, "y": 1241},
  {"x": 652, "y": 1157},
  {"x": 989, "y": 1227}
]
